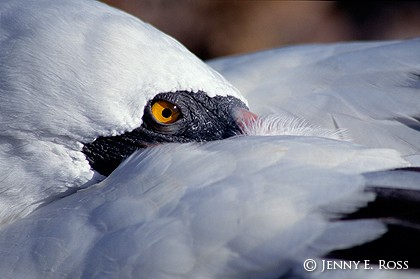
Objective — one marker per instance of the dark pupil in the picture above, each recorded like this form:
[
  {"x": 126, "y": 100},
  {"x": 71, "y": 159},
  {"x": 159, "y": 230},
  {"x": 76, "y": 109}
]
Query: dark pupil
[{"x": 166, "y": 113}]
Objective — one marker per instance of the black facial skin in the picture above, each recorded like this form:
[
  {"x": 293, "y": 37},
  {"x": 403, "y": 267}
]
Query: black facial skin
[{"x": 203, "y": 118}]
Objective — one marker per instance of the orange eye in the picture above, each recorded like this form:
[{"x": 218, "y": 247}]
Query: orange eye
[{"x": 165, "y": 112}]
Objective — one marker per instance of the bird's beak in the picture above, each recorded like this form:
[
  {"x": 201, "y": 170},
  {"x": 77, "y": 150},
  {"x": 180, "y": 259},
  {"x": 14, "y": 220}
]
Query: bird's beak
[{"x": 243, "y": 118}]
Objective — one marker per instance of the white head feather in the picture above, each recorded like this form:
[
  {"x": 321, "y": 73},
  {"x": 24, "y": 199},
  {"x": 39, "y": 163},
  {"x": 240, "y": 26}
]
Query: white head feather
[{"x": 71, "y": 71}]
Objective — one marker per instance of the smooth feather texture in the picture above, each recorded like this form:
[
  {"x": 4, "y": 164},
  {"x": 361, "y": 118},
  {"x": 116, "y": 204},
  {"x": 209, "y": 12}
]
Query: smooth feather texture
[
  {"x": 71, "y": 71},
  {"x": 223, "y": 216},
  {"x": 252, "y": 206},
  {"x": 371, "y": 89}
]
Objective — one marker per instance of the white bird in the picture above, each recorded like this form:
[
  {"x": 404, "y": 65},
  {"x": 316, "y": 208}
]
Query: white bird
[
  {"x": 83, "y": 86},
  {"x": 205, "y": 211},
  {"x": 370, "y": 89},
  {"x": 73, "y": 71}
]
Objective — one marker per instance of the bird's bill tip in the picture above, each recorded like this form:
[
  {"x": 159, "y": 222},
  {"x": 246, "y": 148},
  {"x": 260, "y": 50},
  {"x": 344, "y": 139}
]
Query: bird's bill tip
[{"x": 244, "y": 118}]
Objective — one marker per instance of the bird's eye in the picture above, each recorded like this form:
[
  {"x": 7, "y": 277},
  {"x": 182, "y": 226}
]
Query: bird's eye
[{"x": 165, "y": 112}]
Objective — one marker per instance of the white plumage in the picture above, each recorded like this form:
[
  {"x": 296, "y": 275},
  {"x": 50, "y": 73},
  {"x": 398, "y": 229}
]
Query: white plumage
[
  {"x": 370, "y": 89},
  {"x": 251, "y": 206},
  {"x": 216, "y": 210},
  {"x": 72, "y": 71}
]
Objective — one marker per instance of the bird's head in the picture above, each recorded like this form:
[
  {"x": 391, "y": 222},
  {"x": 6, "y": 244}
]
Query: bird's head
[
  {"x": 84, "y": 85},
  {"x": 180, "y": 116}
]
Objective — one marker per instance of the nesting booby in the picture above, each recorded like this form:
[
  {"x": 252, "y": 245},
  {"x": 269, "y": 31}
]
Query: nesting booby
[{"x": 118, "y": 161}]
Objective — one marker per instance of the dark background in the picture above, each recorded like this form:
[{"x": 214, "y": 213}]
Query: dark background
[{"x": 213, "y": 28}]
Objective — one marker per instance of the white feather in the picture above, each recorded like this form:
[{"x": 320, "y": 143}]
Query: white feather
[
  {"x": 240, "y": 208},
  {"x": 278, "y": 124},
  {"x": 252, "y": 206},
  {"x": 368, "y": 88},
  {"x": 71, "y": 71}
]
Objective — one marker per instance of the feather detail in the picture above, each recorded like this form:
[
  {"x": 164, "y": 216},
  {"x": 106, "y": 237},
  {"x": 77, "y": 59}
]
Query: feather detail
[{"x": 281, "y": 124}]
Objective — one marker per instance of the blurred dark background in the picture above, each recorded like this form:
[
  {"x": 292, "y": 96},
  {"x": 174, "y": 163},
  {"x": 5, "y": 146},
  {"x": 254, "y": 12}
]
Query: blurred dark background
[{"x": 213, "y": 28}]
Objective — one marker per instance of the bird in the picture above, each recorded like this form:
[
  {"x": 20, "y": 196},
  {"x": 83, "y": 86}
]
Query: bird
[
  {"x": 358, "y": 86},
  {"x": 123, "y": 155},
  {"x": 68, "y": 89}
]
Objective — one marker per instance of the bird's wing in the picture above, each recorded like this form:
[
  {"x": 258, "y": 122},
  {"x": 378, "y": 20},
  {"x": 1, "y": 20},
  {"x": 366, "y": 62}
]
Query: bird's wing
[
  {"x": 72, "y": 71},
  {"x": 248, "y": 207},
  {"x": 370, "y": 88}
]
